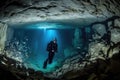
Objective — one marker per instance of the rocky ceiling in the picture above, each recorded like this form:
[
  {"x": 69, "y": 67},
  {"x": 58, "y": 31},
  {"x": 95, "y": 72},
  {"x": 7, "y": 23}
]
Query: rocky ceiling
[{"x": 22, "y": 11}]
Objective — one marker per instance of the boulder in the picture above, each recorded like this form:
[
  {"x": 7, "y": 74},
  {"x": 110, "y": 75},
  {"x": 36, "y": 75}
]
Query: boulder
[
  {"x": 117, "y": 22},
  {"x": 97, "y": 50},
  {"x": 115, "y": 35},
  {"x": 100, "y": 29}
]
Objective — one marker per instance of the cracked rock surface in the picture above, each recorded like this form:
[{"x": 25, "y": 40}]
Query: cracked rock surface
[{"x": 14, "y": 11}]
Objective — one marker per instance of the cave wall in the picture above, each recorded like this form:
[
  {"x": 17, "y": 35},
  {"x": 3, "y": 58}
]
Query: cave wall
[{"x": 3, "y": 35}]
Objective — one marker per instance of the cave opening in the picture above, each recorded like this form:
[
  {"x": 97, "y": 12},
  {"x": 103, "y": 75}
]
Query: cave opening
[{"x": 27, "y": 43}]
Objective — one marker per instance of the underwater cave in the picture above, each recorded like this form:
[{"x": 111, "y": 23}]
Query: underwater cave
[
  {"x": 59, "y": 40},
  {"x": 28, "y": 43}
]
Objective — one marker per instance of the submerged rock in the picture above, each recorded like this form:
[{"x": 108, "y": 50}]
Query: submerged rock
[
  {"x": 117, "y": 22},
  {"x": 17, "y": 73},
  {"x": 99, "y": 29},
  {"x": 3, "y": 35},
  {"x": 115, "y": 35}
]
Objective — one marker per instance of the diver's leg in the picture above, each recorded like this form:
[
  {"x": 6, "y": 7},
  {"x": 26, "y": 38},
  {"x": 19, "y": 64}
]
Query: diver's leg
[
  {"x": 51, "y": 58},
  {"x": 45, "y": 63},
  {"x": 50, "y": 54}
]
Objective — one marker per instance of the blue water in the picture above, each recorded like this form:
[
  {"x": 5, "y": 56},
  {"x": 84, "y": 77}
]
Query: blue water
[
  {"x": 37, "y": 36},
  {"x": 37, "y": 42}
]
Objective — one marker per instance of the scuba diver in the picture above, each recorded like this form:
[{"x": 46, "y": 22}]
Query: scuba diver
[{"x": 51, "y": 48}]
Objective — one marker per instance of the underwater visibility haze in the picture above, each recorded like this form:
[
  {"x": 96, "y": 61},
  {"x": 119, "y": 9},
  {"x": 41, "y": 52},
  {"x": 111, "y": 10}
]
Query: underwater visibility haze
[{"x": 31, "y": 41}]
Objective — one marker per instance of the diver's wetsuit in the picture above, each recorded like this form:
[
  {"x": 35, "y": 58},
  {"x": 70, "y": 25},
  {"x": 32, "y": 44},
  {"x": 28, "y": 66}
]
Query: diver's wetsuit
[{"x": 51, "y": 48}]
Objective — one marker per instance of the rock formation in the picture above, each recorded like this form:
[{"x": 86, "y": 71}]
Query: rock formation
[
  {"x": 3, "y": 35},
  {"x": 13, "y": 11}
]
